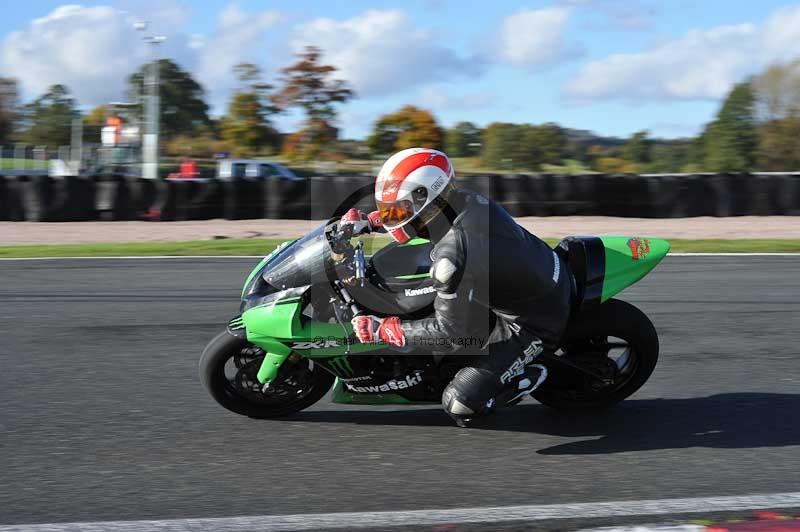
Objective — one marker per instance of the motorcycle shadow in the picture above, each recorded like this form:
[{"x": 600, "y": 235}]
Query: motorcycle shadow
[
  {"x": 723, "y": 421},
  {"x": 728, "y": 421}
]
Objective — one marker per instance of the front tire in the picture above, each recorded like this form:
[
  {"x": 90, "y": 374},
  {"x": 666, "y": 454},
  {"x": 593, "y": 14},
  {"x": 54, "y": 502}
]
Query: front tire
[
  {"x": 584, "y": 344},
  {"x": 227, "y": 370}
]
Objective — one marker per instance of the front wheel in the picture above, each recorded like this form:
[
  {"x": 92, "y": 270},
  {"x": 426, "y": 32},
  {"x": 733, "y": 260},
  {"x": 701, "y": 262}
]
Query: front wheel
[
  {"x": 616, "y": 346},
  {"x": 228, "y": 369}
]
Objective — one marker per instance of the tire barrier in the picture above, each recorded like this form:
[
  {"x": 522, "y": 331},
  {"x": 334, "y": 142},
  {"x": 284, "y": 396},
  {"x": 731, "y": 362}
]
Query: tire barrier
[
  {"x": 512, "y": 193},
  {"x": 288, "y": 199},
  {"x": 242, "y": 199},
  {"x": 115, "y": 197},
  {"x": 11, "y": 203}
]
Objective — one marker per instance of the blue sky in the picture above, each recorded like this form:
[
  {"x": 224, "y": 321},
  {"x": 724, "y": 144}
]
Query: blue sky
[{"x": 612, "y": 66}]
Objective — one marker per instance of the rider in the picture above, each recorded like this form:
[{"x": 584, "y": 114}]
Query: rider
[{"x": 495, "y": 282}]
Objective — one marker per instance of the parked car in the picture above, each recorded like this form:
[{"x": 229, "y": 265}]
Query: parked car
[{"x": 228, "y": 169}]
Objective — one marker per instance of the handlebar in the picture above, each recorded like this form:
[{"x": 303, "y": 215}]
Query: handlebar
[
  {"x": 355, "y": 310},
  {"x": 360, "y": 263},
  {"x": 354, "y": 259}
]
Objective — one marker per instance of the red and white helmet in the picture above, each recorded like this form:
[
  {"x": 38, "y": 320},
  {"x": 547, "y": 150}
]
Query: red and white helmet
[{"x": 407, "y": 183}]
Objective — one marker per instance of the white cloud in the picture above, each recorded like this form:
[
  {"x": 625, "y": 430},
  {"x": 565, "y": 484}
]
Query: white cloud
[
  {"x": 438, "y": 98},
  {"x": 92, "y": 50},
  {"x": 239, "y": 36},
  {"x": 781, "y": 34},
  {"x": 380, "y": 52},
  {"x": 622, "y": 14},
  {"x": 533, "y": 39},
  {"x": 701, "y": 65}
]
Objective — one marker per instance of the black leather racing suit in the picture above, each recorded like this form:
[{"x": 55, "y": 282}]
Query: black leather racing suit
[{"x": 496, "y": 284}]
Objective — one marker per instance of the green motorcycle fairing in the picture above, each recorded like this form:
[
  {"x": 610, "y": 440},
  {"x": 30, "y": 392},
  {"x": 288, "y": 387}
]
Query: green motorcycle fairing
[
  {"x": 277, "y": 328},
  {"x": 628, "y": 260}
]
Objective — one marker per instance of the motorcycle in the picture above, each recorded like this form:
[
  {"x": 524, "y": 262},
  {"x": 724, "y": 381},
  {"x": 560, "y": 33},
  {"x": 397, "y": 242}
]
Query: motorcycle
[{"x": 292, "y": 340}]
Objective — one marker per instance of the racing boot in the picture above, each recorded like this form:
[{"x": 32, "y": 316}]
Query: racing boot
[
  {"x": 521, "y": 387},
  {"x": 475, "y": 392}
]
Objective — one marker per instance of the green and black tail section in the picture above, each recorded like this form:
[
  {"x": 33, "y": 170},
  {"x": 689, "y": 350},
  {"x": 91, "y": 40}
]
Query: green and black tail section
[{"x": 605, "y": 266}]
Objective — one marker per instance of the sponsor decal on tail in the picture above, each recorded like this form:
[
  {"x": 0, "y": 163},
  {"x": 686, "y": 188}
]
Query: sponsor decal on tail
[{"x": 640, "y": 247}]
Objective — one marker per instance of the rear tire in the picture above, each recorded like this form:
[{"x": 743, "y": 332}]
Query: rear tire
[
  {"x": 213, "y": 376},
  {"x": 613, "y": 318}
]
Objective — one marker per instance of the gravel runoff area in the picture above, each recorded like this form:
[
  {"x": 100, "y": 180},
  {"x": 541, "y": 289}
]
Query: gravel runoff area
[{"x": 12, "y": 233}]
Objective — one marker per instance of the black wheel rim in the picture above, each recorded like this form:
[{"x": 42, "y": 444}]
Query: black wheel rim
[
  {"x": 294, "y": 382},
  {"x": 603, "y": 365}
]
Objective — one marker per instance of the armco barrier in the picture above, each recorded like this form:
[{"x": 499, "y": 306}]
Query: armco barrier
[{"x": 43, "y": 198}]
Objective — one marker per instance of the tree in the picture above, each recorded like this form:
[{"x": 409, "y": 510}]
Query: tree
[
  {"x": 97, "y": 116},
  {"x": 93, "y": 123},
  {"x": 777, "y": 92},
  {"x": 638, "y": 149},
  {"x": 523, "y": 146},
  {"x": 182, "y": 107},
  {"x": 410, "y": 127},
  {"x": 247, "y": 128},
  {"x": 48, "y": 119},
  {"x": 778, "y": 113},
  {"x": 9, "y": 108},
  {"x": 307, "y": 84},
  {"x": 732, "y": 138},
  {"x": 615, "y": 165},
  {"x": 463, "y": 140},
  {"x": 500, "y": 146},
  {"x": 669, "y": 156},
  {"x": 549, "y": 141},
  {"x": 696, "y": 154}
]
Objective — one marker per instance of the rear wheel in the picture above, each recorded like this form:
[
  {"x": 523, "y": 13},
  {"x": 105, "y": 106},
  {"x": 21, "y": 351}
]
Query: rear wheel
[
  {"x": 608, "y": 354},
  {"x": 228, "y": 369}
]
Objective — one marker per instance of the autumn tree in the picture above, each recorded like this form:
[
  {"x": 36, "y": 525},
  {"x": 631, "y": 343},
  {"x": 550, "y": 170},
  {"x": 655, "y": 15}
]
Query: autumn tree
[
  {"x": 409, "y": 127},
  {"x": 309, "y": 85},
  {"x": 93, "y": 123},
  {"x": 247, "y": 128},
  {"x": 9, "y": 108},
  {"x": 778, "y": 113},
  {"x": 182, "y": 108}
]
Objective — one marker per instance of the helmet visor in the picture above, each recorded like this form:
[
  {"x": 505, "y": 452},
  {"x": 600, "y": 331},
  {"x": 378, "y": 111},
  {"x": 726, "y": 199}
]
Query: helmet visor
[{"x": 396, "y": 212}]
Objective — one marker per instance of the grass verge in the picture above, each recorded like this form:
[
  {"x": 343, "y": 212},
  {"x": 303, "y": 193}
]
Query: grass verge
[{"x": 261, "y": 247}]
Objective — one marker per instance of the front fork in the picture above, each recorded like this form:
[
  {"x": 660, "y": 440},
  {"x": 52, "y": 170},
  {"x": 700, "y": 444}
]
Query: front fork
[{"x": 276, "y": 354}]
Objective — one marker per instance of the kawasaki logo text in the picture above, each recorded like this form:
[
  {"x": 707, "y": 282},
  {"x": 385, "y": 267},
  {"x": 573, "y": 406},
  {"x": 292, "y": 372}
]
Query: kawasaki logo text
[{"x": 389, "y": 386}]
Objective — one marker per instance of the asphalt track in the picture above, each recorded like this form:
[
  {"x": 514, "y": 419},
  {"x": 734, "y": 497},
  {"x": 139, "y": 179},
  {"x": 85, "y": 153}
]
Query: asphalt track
[{"x": 103, "y": 418}]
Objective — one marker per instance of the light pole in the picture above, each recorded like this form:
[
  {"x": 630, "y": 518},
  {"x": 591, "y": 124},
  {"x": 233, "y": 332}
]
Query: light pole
[{"x": 151, "y": 112}]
